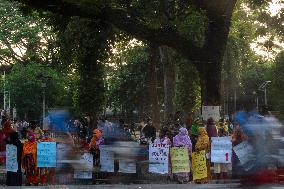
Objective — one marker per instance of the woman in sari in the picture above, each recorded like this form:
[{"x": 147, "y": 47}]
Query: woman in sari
[
  {"x": 203, "y": 143},
  {"x": 182, "y": 140},
  {"x": 29, "y": 159},
  {"x": 47, "y": 174},
  {"x": 96, "y": 141}
]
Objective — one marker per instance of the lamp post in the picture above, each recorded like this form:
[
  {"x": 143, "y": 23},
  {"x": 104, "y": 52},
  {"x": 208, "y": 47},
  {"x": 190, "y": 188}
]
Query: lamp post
[
  {"x": 263, "y": 87},
  {"x": 256, "y": 99},
  {"x": 43, "y": 85},
  {"x": 44, "y": 79}
]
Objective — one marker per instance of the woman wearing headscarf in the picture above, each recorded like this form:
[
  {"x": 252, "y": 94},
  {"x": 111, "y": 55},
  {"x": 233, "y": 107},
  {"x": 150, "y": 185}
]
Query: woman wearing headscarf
[
  {"x": 29, "y": 159},
  {"x": 15, "y": 178},
  {"x": 203, "y": 143},
  {"x": 7, "y": 128},
  {"x": 47, "y": 174},
  {"x": 183, "y": 140},
  {"x": 96, "y": 141},
  {"x": 211, "y": 128},
  {"x": 163, "y": 138},
  {"x": 4, "y": 134}
]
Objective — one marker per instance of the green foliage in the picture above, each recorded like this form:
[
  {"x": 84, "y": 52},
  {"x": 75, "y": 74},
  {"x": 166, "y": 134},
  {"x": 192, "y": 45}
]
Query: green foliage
[
  {"x": 188, "y": 97},
  {"x": 24, "y": 38},
  {"x": 84, "y": 47},
  {"x": 26, "y": 90},
  {"x": 277, "y": 85},
  {"x": 128, "y": 83}
]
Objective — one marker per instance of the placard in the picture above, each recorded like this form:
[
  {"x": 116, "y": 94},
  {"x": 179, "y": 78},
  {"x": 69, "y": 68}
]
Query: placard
[
  {"x": 11, "y": 158},
  {"x": 127, "y": 166},
  {"x": 199, "y": 165},
  {"x": 179, "y": 160},
  {"x": 221, "y": 150},
  {"x": 106, "y": 159},
  {"x": 83, "y": 174},
  {"x": 46, "y": 154},
  {"x": 159, "y": 158},
  {"x": 244, "y": 151},
  {"x": 211, "y": 111},
  {"x": 86, "y": 161}
]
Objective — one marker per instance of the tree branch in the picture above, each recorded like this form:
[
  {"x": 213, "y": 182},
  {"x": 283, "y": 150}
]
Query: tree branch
[
  {"x": 13, "y": 54},
  {"x": 161, "y": 36},
  {"x": 122, "y": 20}
]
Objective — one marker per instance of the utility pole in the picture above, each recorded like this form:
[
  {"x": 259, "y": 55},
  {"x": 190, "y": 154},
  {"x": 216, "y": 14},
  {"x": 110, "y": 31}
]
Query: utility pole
[
  {"x": 43, "y": 102},
  {"x": 262, "y": 87},
  {"x": 4, "y": 97}
]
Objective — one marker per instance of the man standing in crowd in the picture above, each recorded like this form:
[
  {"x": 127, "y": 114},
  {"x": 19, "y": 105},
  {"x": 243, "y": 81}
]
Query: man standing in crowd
[{"x": 149, "y": 130}]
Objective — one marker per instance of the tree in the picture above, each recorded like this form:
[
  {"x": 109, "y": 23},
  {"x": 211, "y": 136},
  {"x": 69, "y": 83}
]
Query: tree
[
  {"x": 85, "y": 42},
  {"x": 138, "y": 18},
  {"x": 277, "y": 78},
  {"x": 188, "y": 96},
  {"x": 24, "y": 38},
  {"x": 26, "y": 91}
]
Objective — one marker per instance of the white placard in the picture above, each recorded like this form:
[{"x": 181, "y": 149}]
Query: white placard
[
  {"x": 211, "y": 111},
  {"x": 83, "y": 174},
  {"x": 221, "y": 150},
  {"x": 127, "y": 166},
  {"x": 244, "y": 151},
  {"x": 11, "y": 158},
  {"x": 87, "y": 161},
  {"x": 159, "y": 158},
  {"x": 106, "y": 159}
]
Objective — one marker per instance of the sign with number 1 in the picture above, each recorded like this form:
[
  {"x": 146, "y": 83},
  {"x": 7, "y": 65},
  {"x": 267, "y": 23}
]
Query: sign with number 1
[{"x": 221, "y": 150}]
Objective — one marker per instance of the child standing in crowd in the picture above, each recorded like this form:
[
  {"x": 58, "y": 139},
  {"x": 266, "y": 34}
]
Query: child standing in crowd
[
  {"x": 203, "y": 143},
  {"x": 182, "y": 140},
  {"x": 29, "y": 159}
]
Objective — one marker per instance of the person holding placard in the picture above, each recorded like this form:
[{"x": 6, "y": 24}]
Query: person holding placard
[
  {"x": 29, "y": 159},
  {"x": 203, "y": 143},
  {"x": 47, "y": 174},
  {"x": 182, "y": 140},
  {"x": 15, "y": 178},
  {"x": 221, "y": 169},
  {"x": 163, "y": 139},
  {"x": 237, "y": 138}
]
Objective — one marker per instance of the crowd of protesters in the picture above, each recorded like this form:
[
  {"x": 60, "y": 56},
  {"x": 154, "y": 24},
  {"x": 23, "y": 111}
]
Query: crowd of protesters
[{"x": 193, "y": 134}]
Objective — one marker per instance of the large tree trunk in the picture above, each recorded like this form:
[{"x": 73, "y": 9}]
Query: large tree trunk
[
  {"x": 166, "y": 55},
  {"x": 210, "y": 66},
  {"x": 153, "y": 82}
]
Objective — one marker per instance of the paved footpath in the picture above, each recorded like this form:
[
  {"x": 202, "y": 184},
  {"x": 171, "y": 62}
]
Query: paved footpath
[{"x": 148, "y": 186}]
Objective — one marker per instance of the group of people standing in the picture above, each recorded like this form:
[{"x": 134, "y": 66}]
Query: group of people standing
[
  {"x": 195, "y": 138},
  {"x": 200, "y": 140},
  {"x": 26, "y": 155}
]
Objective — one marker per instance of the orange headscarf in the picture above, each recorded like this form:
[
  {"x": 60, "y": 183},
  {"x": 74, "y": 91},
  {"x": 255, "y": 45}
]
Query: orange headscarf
[
  {"x": 203, "y": 142},
  {"x": 96, "y": 135},
  {"x": 30, "y": 146}
]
